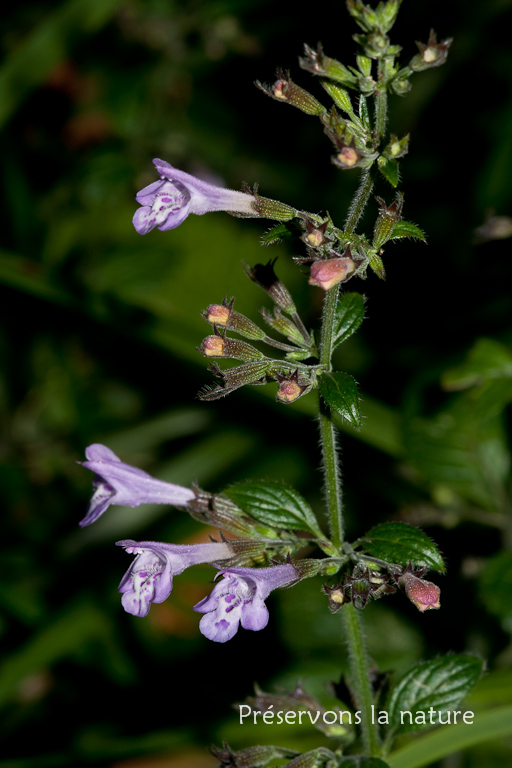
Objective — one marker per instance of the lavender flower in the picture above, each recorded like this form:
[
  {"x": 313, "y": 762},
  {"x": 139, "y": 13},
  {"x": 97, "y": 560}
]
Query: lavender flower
[
  {"x": 119, "y": 483},
  {"x": 239, "y": 598},
  {"x": 149, "y": 577},
  {"x": 168, "y": 202}
]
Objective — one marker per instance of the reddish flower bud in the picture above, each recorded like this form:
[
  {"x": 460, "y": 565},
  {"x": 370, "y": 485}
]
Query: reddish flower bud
[
  {"x": 218, "y": 314},
  {"x": 213, "y": 346},
  {"x": 331, "y": 271},
  {"x": 424, "y": 594}
]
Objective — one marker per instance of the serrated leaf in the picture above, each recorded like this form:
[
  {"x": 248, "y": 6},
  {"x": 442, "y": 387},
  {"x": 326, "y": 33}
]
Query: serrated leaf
[
  {"x": 349, "y": 316},
  {"x": 390, "y": 170},
  {"x": 439, "y": 685},
  {"x": 275, "y": 235},
  {"x": 401, "y": 543},
  {"x": 407, "y": 229},
  {"x": 339, "y": 390},
  {"x": 274, "y": 503}
]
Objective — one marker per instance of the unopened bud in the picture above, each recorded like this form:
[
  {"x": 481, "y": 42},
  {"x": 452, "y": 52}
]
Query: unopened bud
[
  {"x": 218, "y": 314},
  {"x": 224, "y": 316},
  {"x": 220, "y": 346},
  {"x": 424, "y": 594},
  {"x": 286, "y": 90},
  {"x": 330, "y": 272},
  {"x": 213, "y": 346}
]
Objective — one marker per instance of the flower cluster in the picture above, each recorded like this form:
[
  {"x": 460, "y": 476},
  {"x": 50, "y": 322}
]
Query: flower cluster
[{"x": 238, "y": 598}]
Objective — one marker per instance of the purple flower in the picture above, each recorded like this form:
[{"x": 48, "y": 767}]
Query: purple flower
[
  {"x": 168, "y": 202},
  {"x": 119, "y": 483},
  {"x": 149, "y": 578},
  {"x": 239, "y": 598}
]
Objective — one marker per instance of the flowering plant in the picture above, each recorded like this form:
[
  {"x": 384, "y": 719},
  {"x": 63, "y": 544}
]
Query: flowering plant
[{"x": 270, "y": 522}]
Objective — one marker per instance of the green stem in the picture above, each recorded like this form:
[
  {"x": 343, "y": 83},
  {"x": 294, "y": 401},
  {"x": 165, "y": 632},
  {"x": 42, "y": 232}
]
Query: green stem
[
  {"x": 361, "y": 678},
  {"x": 332, "y": 475},
  {"x": 331, "y": 464}
]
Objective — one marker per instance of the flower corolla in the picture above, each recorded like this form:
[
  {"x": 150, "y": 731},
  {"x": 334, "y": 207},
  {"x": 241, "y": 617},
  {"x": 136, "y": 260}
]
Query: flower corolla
[
  {"x": 168, "y": 202},
  {"x": 120, "y": 483}
]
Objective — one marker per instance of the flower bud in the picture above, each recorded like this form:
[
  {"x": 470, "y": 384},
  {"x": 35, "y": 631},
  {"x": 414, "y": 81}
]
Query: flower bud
[
  {"x": 330, "y": 272},
  {"x": 220, "y": 346},
  {"x": 424, "y": 594},
  {"x": 286, "y": 90},
  {"x": 224, "y": 316}
]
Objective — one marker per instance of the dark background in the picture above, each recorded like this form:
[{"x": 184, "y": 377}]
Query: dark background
[{"x": 98, "y": 344}]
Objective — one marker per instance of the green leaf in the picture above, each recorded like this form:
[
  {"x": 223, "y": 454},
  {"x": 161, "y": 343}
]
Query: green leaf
[
  {"x": 487, "y": 360},
  {"x": 440, "y": 685},
  {"x": 363, "y": 762},
  {"x": 495, "y": 587},
  {"x": 462, "y": 451},
  {"x": 349, "y": 316},
  {"x": 407, "y": 229},
  {"x": 275, "y": 504},
  {"x": 390, "y": 170},
  {"x": 401, "y": 543},
  {"x": 431, "y": 747},
  {"x": 339, "y": 390}
]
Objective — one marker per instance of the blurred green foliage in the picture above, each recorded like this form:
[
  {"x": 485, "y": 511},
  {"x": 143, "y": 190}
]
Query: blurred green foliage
[{"x": 98, "y": 344}]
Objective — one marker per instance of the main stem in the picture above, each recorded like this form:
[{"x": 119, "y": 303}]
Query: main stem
[
  {"x": 361, "y": 681},
  {"x": 331, "y": 465},
  {"x": 332, "y": 477}
]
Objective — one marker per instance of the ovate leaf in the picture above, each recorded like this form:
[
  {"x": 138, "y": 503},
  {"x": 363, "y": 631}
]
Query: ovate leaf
[
  {"x": 339, "y": 390},
  {"x": 401, "y": 543},
  {"x": 349, "y": 316},
  {"x": 440, "y": 685},
  {"x": 274, "y": 503}
]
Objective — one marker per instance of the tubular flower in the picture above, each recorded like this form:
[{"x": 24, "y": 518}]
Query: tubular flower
[
  {"x": 149, "y": 577},
  {"x": 119, "y": 483},
  {"x": 240, "y": 598},
  {"x": 168, "y": 202}
]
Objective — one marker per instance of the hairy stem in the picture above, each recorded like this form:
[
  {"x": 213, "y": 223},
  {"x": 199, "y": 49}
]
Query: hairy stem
[{"x": 361, "y": 678}]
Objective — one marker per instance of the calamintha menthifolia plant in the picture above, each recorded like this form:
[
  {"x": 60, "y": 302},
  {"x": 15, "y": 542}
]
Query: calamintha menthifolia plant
[{"x": 269, "y": 523}]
